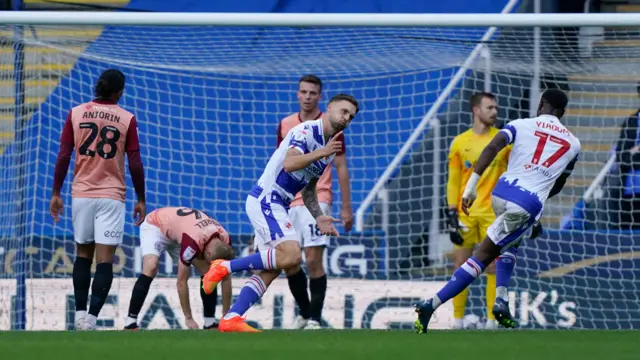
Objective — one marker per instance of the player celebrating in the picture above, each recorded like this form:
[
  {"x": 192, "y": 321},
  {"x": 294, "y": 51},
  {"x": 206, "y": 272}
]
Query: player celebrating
[
  {"x": 101, "y": 132},
  {"x": 544, "y": 154},
  {"x": 190, "y": 235},
  {"x": 295, "y": 166},
  {"x": 314, "y": 243},
  {"x": 468, "y": 231}
]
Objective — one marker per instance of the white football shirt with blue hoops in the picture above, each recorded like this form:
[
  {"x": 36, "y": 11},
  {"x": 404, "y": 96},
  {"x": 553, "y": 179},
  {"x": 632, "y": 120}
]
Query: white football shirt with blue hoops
[
  {"x": 542, "y": 150},
  {"x": 268, "y": 202}
]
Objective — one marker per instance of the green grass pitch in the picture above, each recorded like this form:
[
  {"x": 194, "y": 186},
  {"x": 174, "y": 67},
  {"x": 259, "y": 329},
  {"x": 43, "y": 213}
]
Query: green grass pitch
[{"x": 334, "y": 345}]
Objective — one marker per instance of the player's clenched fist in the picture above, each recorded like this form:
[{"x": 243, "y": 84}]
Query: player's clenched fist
[
  {"x": 55, "y": 207},
  {"x": 333, "y": 146},
  {"x": 325, "y": 224}
]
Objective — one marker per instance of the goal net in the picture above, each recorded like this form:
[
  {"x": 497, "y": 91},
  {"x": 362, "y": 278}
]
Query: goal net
[{"x": 208, "y": 100}]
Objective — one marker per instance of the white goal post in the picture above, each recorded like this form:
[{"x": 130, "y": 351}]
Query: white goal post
[
  {"x": 208, "y": 89},
  {"x": 310, "y": 20}
]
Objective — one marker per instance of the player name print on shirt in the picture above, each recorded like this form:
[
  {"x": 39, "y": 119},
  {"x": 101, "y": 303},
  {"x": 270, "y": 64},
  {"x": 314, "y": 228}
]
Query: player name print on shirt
[
  {"x": 101, "y": 114},
  {"x": 552, "y": 127}
]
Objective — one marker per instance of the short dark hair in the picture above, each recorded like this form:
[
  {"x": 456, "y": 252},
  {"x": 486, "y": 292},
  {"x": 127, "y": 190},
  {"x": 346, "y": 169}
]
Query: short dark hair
[
  {"x": 556, "y": 98},
  {"x": 310, "y": 78},
  {"x": 346, "y": 97},
  {"x": 476, "y": 99},
  {"x": 110, "y": 82}
]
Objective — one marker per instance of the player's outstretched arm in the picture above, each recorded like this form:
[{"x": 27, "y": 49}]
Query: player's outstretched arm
[
  {"x": 310, "y": 198},
  {"x": 136, "y": 168},
  {"x": 183, "y": 294},
  {"x": 499, "y": 142},
  {"x": 296, "y": 159},
  {"x": 346, "y": 214},
  {"x": 61, "y": 168}
]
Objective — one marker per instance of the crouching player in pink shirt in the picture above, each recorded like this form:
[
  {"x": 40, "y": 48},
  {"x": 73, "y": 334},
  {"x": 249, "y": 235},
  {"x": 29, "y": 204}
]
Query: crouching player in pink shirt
[{"x": 193, "y": 237}]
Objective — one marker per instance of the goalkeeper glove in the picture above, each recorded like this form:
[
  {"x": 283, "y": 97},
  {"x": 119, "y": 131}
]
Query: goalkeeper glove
[
  {"x": 453, "y": 225},
  {"x": 536, "y": 230}
]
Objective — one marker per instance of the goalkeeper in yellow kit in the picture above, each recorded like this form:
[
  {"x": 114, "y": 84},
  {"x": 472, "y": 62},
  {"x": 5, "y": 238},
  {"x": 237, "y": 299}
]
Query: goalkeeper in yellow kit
[{"x": 467, "y": 231}]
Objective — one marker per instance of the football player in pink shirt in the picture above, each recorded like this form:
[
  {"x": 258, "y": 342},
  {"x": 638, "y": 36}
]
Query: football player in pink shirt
[
  {"x": 190, "y": 237},
  {"x": 101, "y": 133},
  {"x": 311, "y": 239}
]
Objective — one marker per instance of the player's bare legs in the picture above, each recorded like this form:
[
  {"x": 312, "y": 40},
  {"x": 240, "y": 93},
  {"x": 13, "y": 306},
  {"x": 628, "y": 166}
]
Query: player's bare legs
[
  {"x": 82, "y": 280},
  {"x": 317, "y": 284},
  {"x": 102, "y": 280},
  {"x": 141, "y": 289}
]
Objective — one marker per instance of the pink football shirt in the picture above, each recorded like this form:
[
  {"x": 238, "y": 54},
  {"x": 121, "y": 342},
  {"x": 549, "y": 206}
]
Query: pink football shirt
[
  {"x": 100, "y": 132},
  {"x": 323, "y": 187},
  {"x": 199, "y": 228}
]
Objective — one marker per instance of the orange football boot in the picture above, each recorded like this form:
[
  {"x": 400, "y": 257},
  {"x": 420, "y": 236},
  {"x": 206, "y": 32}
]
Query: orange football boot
[
  {"x": 236, "y": 324},
  {"x": 215, "y": 274}
]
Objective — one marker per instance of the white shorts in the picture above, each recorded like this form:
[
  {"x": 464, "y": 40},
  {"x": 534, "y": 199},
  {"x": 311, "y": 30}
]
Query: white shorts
[
  {"x": 154, "y": 242},
  {"x": 306, "y": 228},
  {"x": 270, "y": 221},
  {"x": 98, "y": 220},
  {"x": 512, "y": 221}
]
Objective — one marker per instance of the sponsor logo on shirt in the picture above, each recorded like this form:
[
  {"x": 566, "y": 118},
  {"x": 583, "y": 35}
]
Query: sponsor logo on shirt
[{"x": 188, "y": 254}]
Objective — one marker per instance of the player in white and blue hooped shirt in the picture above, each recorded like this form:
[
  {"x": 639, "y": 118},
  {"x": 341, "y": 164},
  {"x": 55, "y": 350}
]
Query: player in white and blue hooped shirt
[
  {"x": 295, "y": 166},
  {"x": 543, "y": 156}
]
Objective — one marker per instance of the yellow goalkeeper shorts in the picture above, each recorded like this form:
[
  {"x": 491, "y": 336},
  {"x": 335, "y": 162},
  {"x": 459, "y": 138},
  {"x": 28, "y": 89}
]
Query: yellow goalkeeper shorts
[{"x": 474, "y": 229}]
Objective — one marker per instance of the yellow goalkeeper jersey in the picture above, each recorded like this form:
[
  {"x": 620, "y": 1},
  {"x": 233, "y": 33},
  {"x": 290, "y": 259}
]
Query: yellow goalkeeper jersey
[{"x": 463, "y": 155}]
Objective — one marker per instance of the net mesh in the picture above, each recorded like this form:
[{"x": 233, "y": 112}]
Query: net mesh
[{"x": 208, "y": 101}]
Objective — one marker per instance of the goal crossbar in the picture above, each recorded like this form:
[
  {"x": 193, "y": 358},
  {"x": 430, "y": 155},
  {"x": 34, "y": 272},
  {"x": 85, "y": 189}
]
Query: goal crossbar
[{"x": 307, "y": 20}]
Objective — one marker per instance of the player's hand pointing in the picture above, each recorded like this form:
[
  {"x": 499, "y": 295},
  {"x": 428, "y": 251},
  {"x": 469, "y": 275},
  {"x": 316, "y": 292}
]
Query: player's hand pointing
[
  {"x": 325, "y": 224},
  {"x": 140, "y": 212},
  {"x": 333, "y": 146},
  {"x": 56, "y": 207}
]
